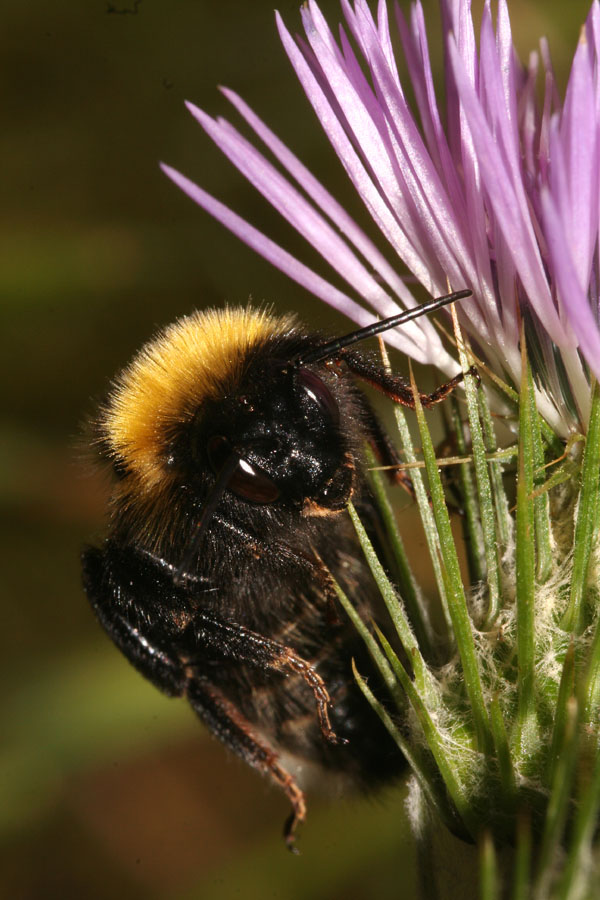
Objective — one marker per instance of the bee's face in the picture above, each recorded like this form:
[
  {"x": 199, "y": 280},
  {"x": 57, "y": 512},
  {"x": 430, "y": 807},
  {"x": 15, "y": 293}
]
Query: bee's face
[{"x": 284, "y": 427}]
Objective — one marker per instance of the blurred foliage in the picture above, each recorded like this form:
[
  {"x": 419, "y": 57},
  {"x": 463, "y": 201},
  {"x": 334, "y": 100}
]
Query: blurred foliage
[{"x": 107, "y": 788}]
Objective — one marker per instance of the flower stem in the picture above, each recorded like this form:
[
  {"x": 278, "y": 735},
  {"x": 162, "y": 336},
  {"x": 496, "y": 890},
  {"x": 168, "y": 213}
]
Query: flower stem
[
  {"x": 488, "y": 868},
  {"x": 526, "y": 730},
  {"x": 390, "y": 598},
  {"x": 457, "y": 605},
  {"x": 482, "y": 478},
  {"x": 587, "y": 525},
  {"x": 427, "y": 519},
  {"x": 409, "y": 590}
]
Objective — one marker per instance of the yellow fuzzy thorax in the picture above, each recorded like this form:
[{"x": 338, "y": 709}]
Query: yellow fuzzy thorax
[{"x": 172, "y": 376}]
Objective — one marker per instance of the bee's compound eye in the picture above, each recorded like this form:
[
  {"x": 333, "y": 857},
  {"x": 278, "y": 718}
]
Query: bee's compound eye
[
  {"x": 247, "y": 481},
  {"x": 312, "y": 385}
]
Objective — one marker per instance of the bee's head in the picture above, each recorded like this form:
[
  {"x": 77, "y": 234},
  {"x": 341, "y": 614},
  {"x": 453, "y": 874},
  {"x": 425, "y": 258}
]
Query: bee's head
[
  {"x": 218, "y": 415},
  {"x": 280, "y": 437},
  {"x": 235, "y": 404}
]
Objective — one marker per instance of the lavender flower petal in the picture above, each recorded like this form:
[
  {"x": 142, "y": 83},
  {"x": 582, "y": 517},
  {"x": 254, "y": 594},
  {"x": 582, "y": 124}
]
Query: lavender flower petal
[
  {"x": 360, "y": 177},
  {"x": 293, "y": 206},
  {"x": 504, "y": 198},
  {"x": 324, "y": 200},
  {"x": 580, "y": 163},
  {"x": 509, "y": 205},
  {"x": 580, "y": 315},
  {"x": 268, "y": 249}
]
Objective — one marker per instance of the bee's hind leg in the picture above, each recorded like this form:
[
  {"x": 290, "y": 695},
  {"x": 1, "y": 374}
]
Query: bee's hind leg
[{"x": 233, "y": 729}]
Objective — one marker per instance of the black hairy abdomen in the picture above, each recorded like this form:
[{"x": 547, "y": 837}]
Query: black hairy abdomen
[{"x": 273, "y": 594}]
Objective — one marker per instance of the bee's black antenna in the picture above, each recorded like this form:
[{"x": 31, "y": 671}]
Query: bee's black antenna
[
  {"x": 208, "y": 510},
  {"x": 332, "y": 347}
]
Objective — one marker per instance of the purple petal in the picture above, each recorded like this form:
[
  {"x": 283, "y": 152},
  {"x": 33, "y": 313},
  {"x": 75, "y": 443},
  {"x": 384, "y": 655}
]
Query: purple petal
[
  {"x": 432, "y": 211},
  {"x": 323, "y": 199},
  {"x": 551, "y": 101},
  {"x": 579, "y": 137},
  {"x": 457, "y": 19},
  {"x": 432, "y": 214},
  {"x": 357, "y": 172},
  {"x": 366, "y": 121},
  {"x": 509, "y": 204},
  {"x": 506, "y": 58},
  {"x": 528, "y": 117},
  {"x": 295, "y": 208},
  {"x": 422, "y": 349},
  {"x": 268, "y": 249},
  {"x": 573, "y": 295},
  {"x": 592, "y": 30},
  {"x": 385, "y": 38},
  {"x": 500, "y": 108},
  {"x": 416, "y": 51}
]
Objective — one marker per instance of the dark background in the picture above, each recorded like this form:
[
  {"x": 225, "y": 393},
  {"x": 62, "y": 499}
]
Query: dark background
[{"x": 109, "y": 790}]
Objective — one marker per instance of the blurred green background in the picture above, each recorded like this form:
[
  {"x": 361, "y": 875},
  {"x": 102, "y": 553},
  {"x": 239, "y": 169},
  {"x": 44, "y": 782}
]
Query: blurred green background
[{"x": 107, "y": 789}]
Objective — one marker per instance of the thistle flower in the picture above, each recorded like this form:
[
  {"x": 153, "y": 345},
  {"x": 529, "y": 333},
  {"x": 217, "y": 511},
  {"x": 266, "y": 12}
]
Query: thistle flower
[
  {"x": 500, "y": 195},
  {"x": 503, "y": 200}
]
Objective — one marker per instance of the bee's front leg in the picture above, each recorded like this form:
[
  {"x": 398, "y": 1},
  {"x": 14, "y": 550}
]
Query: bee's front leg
[{"x": 396, "y": 387}]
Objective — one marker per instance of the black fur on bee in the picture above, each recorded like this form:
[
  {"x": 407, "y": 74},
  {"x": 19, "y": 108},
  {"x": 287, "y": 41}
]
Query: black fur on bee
[{"x": 236, "y": 439}]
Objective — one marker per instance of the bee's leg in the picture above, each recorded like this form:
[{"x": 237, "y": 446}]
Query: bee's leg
[
  {"x": 384, "y": 449},
  {"x": 227, "y": 723},
  {"x": 233, "y": 641},
  {"x": 314, "y": 564},
  {"x": 160, "y": 646},
  {"x": 147, "y": 646},
  {"x": 156, "y": 642},
  {"x": 396, "y": 387},
  {"x": 306, "y": 560}
]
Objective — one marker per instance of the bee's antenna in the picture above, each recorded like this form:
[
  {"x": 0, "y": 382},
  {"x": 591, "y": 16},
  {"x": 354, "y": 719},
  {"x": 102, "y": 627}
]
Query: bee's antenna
[
  {"x": 332, "y": 347},
  {"x": 208, "y": 510}
]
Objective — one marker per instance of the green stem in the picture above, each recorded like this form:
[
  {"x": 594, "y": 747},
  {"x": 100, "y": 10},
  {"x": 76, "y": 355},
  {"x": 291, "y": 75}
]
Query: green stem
[
  {"x": 522, "y": 869},
  {"x": 472, "y": 523},
  {"x": 505, "y": 765},
  {"x": 503, "y": 518},
  {"x": 591, "y": 691},
  {"x": 427, "y": 519},
  {"x": 541, "y": 504},
  {"x": 580, "y": 851},
  {"x": 445, "y": 763},
  {"x": 566, "y": 690},
  {"x": 373, "y": 647},
  {"x": 457, "y": 604},
  {"x": 488, "y": 868},
  {"x": 390, "y": 598},
  {"x": 587, "y": 525},
  {"x": 559, "y": 802},
  {"x": 526, "y": 731},
  {"x": 482, "y": 477},
  {"x": 409, "y": 590},
  {"x": 424, "y": 773}
]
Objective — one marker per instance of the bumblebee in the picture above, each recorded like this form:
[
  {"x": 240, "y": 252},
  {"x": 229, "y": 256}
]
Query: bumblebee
[{"x": 236, "y": 438}]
